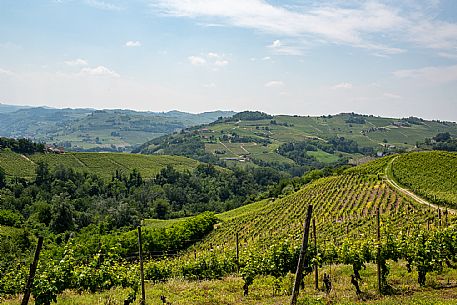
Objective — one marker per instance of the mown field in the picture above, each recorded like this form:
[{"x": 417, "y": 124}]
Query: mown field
[{"x": 101, "y": 164}]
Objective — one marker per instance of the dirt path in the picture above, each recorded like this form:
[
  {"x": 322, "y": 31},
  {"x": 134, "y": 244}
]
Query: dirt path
[
  {"x": 26, "y": 158},
  {"x": 390, "y": 180},
  {"x": 244, "y": 149},
  {"x": 222, "y": 143}
]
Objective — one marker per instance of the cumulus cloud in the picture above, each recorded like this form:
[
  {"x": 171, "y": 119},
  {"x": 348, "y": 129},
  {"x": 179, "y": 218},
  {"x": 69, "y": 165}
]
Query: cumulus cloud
[
  {"x": 133, "y": 44},
  {"x": 76, "y": 62},
  {"x": 342, "y": 86},
  {"x": 196, "y": 60},
  {"x": 98, "y": 71},
  {"x": 274, "y": 84},
  {"x": 212, "y": 59}
]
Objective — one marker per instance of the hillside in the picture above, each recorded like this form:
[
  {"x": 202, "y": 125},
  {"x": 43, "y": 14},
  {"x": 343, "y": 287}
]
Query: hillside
[
  {"x": 101, "y": 164},
  {"x": 290, "y": 141},
  {"x": 431, "y": 175},
  {"x": 98, "y": 130},
  {"x": 416, "y": 246},
  {"x": 345, "y": 205}
]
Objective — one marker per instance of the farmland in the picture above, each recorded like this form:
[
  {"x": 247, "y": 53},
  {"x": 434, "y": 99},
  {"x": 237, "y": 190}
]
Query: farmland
[
  {"x": 101, "y": 164},
  {"x": 345, "y": 208},
  {"x": 258, "y": 141},
  {"x": 429, "y": 174}
]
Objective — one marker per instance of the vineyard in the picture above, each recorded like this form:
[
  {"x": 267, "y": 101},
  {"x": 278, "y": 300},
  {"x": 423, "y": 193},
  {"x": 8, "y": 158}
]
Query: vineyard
[
  {"x": 429, "y": 174},
  {"x": 414, "y": 238},
  {"x": 101, "y": 164}
]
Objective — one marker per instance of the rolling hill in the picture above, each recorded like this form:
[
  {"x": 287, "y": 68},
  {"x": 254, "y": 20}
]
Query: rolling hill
[
  {"x": 285, "y": 141},
  {"x": 102, "y": 164},
  {"x": 97, "y": 130}
]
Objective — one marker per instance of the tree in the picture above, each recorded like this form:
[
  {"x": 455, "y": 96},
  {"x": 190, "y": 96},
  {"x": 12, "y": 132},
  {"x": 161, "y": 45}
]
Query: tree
[
  {"x": 42, "y": 173},
  {"x": 161, "y": 208},
  {"x": 61, "y": 215},
  {"x": 2, "y": 178}
]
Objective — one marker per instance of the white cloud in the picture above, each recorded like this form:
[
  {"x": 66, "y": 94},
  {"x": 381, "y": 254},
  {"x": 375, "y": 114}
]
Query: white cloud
[
  {"x": 274, "y": 84},
  {"x": 279, "y": 47},
  {"x": 276, "y": 44},
  {"x": 104, "y": 5},
  {"x": 342, "y": 86},
  {"x": 357, "y": 24},
  {"x": 266, "y": 58},
  {"x": 442, "y": 74},
  {"x": 392, "y": 96},
  {"x": 221, "y": 63},
  {"x": 76, "y": 62},
  {"x": 6, "y": 72},
  {"x": 212, "y": 59},
  {"x": 132, "y": 44},
  {"x": 210, "y": 85},
  {"x": 99, "y": 71},
  {"x": 213, "y": 55},
  {"x": 197, "y": 60}
]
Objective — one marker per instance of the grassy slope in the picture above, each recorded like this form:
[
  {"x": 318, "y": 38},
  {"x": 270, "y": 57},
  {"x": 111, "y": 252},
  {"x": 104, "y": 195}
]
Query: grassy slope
[
  {"x": 103, "y": 164},
  {"x": 432, "y": 175}
]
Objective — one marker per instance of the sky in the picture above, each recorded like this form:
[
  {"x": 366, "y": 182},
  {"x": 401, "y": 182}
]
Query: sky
[{"x": 389, "y": 58}]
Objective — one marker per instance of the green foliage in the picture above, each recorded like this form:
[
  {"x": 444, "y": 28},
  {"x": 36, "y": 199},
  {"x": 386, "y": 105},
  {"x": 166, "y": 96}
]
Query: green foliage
[
  {"x": 432, "y": 175},
  {"x": 23, "y": 146}
]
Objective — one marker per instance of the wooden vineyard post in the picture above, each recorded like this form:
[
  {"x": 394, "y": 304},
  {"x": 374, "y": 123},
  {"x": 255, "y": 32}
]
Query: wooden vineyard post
[
  {"x": 378, "y": 255},
  {"x": 439, "y": 216},
  {"x": 237, "y": 253},
  {"x": 140, "y": 252},
  {"x": 316, "y": 271},
  {"x": 33, "y": 266},
  {"x": 300, "y": 266}
]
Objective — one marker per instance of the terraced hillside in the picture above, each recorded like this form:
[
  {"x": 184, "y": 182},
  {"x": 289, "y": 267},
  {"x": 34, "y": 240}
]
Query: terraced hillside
[
  {"x": 260, "y": 139},
  {"x": 102, "y": 164}
]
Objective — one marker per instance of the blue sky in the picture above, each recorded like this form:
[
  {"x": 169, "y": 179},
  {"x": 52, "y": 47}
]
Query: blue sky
[{"x": 390, "y": 58}]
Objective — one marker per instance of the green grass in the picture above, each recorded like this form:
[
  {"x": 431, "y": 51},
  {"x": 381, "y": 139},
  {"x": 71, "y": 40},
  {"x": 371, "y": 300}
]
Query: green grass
[
  {"x": 102, "y": 164},
  {"x": 323, "y": 156},
  {"x": 162, "y": 223}
]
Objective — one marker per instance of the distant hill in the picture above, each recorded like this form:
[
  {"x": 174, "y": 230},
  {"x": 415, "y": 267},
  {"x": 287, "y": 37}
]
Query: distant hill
[
  {"x": 4, "y": 108},
  {"x": 286, "y": 141},
  {"x": 101, "y": 164},
  {"x": 96, "y": 130}
]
